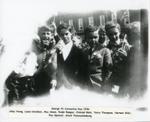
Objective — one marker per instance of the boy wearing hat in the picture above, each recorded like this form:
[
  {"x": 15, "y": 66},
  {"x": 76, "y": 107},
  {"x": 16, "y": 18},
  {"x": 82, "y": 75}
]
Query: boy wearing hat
[{"x": 99, "y": 60}]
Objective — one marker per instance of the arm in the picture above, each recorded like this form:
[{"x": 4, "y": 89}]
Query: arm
[{"x": 107, "y": 66}]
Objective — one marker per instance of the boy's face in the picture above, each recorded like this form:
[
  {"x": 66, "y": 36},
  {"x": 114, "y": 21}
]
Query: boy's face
[
  {"x": 65, "y": 35},
  {"x": 47, "y": 38},
  {"x": 113, "y": 35},
  {"x": 93, "y": 38}
]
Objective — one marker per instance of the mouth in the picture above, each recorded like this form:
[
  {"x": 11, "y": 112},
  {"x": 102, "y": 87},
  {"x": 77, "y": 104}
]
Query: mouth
[
  {"x": 50, "y": 40},
  {"x": 46, "y": 39}
]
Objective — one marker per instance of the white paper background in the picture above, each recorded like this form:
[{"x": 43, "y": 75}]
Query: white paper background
[{"x": 19, "y": 20}]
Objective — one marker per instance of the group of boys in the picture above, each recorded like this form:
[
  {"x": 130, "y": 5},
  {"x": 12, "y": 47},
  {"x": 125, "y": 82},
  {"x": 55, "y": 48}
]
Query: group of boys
[{"x": 99, "y": 63}]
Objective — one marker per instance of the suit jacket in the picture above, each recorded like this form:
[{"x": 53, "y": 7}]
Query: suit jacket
[
  {"x": 99, "y": 65},
  {"x": 72, "y": 71}
]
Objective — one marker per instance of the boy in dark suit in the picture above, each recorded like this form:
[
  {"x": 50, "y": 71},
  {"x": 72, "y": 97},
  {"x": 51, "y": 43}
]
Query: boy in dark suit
[{"x": 71, "y": 60}]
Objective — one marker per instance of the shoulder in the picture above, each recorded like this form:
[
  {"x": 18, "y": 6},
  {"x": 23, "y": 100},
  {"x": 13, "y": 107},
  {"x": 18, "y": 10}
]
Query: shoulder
[
  {"x": 79, "y": 52},
  {"x": 36, "y": 45},
  {"x": 105, "y": 51},
  {"x": 77, "y": 49}
]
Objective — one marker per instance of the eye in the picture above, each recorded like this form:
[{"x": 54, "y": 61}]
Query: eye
[
  {"x": 94, "y": 37},
  {"x": 61, "y": 35},
  {"x": 51, "y": 40},
  {"x": 115, "y": 33},
  {"x": 66, "y": 34},
  {"x": 49, "y": 33},
  {"x": 110, "y": 34},
  {"x": 43, "y": 33}
]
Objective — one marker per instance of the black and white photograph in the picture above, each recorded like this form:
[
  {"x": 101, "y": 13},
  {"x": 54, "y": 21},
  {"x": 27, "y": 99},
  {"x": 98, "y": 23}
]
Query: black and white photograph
[{"x": 74, "y": 60}]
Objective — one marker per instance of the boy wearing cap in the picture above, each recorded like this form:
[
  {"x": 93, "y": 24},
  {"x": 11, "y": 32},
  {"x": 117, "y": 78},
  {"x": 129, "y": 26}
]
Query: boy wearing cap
[{"x": 99, "y": 60}]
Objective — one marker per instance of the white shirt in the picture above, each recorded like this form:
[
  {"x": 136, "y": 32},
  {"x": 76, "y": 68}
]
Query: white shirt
[{"x": 66, "y": 50}]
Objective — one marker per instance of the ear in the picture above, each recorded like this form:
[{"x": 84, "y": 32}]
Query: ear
[{"x": 72, "y": 36}]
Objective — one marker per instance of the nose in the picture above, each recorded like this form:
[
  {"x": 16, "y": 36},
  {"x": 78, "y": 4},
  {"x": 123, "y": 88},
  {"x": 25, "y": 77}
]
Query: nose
[
  {"x": 113, "y": 36},
  {"x": 46, "y": 34},
  {"x": 93, "y": 40},
  {"x": 64, "y": 36}
]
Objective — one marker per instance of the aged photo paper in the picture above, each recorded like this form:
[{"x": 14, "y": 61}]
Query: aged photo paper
[{"x": 58, "y": 61}]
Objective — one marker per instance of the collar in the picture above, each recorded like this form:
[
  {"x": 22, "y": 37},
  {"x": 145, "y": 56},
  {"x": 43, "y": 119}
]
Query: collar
[
  {"x": 66, "y": 50},
  {"x": 97, "y": 47}
]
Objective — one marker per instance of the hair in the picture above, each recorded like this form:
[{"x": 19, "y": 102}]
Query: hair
[
  {"x": 102, "y": 31},
  {"x": 44, "y": 28},
  {"x": 72, "y": 30},
  {"x": 110, "y": 25},
  {"x": 62, "y": 26},
  {"x": 90, "y": 29}
]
